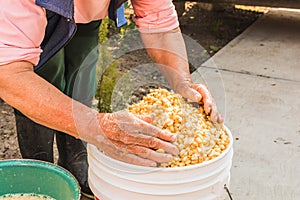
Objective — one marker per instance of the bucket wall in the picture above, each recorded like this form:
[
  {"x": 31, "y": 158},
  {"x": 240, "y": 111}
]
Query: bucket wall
[{"x": 111, "y": 179}]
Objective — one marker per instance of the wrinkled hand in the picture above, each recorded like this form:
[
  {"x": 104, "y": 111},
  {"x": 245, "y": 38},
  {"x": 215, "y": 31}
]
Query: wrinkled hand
[
  {"x": 132, "y": 139},
  {"x": 198, "y": 93}
]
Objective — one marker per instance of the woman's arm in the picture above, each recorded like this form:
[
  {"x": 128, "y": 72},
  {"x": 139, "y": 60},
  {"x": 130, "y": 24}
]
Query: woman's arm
[
  {"x": 168, "y": 50},
  {"x": 121, "y": 135},
  {"x": 158, "y": 24},
  {"x": 37, "y": 99}
]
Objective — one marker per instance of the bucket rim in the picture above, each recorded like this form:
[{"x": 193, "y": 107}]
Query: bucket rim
[{"x": 175, "y": 169}]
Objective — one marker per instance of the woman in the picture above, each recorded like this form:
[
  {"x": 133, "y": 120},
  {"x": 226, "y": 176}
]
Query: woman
[{"x": 43, "y": 44}]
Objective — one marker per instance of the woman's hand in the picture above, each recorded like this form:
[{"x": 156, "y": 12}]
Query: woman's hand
[
  {"x": 199, "y": 93},
  {"x": 132, "y": 139}
]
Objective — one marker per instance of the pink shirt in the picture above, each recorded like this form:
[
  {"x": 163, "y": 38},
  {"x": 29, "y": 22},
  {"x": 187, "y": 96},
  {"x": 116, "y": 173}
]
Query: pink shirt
[{"x": 23, "y": 23}]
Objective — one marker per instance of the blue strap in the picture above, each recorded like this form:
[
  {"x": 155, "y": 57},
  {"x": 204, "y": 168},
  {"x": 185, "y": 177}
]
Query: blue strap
[
  {"x": 121, "y": 20},
  {"x": 116, "y": 12}
]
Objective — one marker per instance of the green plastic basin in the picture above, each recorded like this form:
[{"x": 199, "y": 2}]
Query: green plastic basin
[{"x": 38, "y": 177}]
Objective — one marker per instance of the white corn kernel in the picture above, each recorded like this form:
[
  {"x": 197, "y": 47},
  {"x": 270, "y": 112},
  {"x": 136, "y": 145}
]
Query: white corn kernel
[{"x": 198, "y": 139}]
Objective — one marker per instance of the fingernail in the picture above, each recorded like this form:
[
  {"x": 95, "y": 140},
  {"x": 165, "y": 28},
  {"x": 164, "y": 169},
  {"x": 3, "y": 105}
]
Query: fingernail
[
  {"x": 220, "y": 119},
  {"x": 170, "y": 157},
  {"x": 173, "y": 137},
  {"x": 153, "y": 164},
  {"x": 199, "y": 97},
  {"x": 176, "y": 152},
  {"x": 152, "y": 116}
]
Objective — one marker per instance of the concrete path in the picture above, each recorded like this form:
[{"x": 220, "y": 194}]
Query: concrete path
[{"x": 256, "y": 82}]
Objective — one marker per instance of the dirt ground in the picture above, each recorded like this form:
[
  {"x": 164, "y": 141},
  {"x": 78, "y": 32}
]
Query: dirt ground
[{"x": 212, "y": 29}]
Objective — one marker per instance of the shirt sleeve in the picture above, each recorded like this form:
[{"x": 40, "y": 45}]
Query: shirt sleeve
[
  {"x": 155, "y": 16},
  {"x": 22, "y": 30}
]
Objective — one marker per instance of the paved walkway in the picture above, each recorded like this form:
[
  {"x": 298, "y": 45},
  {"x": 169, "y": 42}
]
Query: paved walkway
[{"x": 256, "y": 82}]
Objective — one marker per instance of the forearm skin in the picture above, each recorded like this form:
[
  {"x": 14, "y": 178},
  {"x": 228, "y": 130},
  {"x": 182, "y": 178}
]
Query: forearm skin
[
  {"x": 24, "y": 90},
  {"x": 169, "y": 52}
]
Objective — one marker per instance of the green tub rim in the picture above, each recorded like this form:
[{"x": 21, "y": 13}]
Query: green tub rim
[{"x": 67, "y": 176}]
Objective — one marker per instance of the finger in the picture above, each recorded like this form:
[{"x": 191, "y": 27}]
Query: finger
[
  {"x": 207, "y": 107},
  {"x": 215, "y": 116},
  {"x": 192, "y": 94},
  {"x": 111, "y": 149},
  {"x": 149, "y": 142},
  {"x": 220, "y": 118},
  {"x": 160, "y": 144},
  {"x": 166, "y": 135},
  {"x": 151, "y": 154},
  {"x": 133, "y": 124},
  {"x": 148, "y": 129},
  {"x": 207, "y": 98},
  {"x": 154, "y": 131},
  {"x": 214, "y": 113},
  {"x": 145, "y": 140},
  {"x": 147, "y": 153},
  {"x": 147, "y": 118}
]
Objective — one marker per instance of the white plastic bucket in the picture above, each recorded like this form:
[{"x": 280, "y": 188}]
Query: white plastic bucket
[{"x": 110, "y": 179}]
